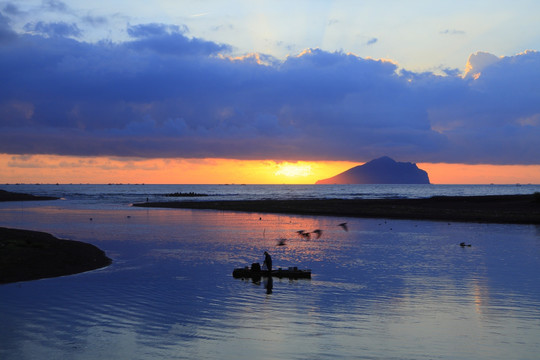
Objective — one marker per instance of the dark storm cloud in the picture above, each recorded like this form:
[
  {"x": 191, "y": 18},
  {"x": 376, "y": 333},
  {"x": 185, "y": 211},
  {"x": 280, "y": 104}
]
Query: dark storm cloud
[{"x": 164, "y": 94}]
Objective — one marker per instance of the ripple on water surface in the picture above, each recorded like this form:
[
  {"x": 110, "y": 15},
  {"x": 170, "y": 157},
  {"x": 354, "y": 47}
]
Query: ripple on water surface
[{"x": 383, "y": 289}]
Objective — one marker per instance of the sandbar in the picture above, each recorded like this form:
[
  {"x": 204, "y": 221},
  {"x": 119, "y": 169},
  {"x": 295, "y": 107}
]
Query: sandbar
[
  {"x": 511, "y": 209},
  {"x": 31, "y": 255},
  {"x": 14, "y": 196}
]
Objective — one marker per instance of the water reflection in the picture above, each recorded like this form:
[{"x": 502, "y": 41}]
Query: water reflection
[
  {"x": 269, "y": 285},
  {"x": 394, "y": 289}
]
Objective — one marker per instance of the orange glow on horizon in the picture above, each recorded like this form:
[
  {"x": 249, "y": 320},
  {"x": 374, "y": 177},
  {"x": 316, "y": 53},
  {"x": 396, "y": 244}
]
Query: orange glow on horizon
[
  {"x": 293, "y": 170},
  {"x": 102, "y": 170},
  {"x": 442, "y": 173}
]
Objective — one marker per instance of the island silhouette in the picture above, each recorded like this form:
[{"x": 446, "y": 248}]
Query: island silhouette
[{"x": 383, "y": 170}]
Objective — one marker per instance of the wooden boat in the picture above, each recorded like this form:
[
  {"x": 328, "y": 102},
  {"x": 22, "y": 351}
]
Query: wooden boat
[{"x": 256, "y": 272}]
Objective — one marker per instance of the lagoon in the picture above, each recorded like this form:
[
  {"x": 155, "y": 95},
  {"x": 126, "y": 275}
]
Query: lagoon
[{"x": 386, "y": 289}]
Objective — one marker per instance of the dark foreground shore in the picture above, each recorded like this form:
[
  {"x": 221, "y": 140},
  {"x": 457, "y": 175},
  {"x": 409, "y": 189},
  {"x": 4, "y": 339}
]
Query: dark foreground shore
[
  {"x": 31, "y": 255},
  {"x": 13, "y": 196},
  {"x": 512, "y": 209}
]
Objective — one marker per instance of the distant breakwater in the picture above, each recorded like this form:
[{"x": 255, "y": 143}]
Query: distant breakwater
[{"x": 185, "y": 194}]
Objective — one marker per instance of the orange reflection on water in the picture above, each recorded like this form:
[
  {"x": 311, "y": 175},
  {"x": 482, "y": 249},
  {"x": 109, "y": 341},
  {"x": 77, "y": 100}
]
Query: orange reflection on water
[
  {"x": 249, "y": 235},
  {"x": 481, "y": 296}
]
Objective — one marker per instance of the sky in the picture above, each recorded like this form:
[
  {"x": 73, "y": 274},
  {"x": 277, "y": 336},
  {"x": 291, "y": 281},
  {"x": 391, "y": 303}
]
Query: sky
[{"x": 267, "y": 91}]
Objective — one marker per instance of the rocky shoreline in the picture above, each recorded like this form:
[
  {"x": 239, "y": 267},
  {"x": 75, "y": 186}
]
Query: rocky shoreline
[
  {"x": 511, "y": 209},
  {"x": 31, "y": 255}
]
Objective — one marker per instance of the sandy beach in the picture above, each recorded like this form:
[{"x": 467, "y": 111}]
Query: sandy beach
[{"x": 511, "y": 209}]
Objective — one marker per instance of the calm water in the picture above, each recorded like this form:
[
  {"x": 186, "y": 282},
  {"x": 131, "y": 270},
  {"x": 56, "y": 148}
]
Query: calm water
[
  {"x": 118, "y": 196},
  {"x": 383, "y": 290}
]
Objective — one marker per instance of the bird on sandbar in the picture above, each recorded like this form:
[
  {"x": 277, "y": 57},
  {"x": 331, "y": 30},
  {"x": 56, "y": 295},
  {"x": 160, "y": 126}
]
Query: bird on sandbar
[
  {"x": 463, "y": 244},
  {"x": 281, "y": 242},
  {"x": 318, "y": 232},
  {"x": 344, "y": 226}
]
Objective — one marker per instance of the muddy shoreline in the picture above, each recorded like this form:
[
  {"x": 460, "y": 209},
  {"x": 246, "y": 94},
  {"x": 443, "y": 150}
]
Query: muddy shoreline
[
  {"x": 31, "y": 255},
  {"x": 511, "y": 209}
]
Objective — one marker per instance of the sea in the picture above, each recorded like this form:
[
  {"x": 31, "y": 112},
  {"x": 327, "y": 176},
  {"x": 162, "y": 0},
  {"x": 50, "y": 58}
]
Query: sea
[{"x": 383, "y": 289}]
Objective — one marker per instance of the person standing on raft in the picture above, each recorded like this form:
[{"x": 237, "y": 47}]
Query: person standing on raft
[{"x": 268, "y": 262}]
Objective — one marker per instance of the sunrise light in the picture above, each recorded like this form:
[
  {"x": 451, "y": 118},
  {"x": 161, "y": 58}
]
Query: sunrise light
[
  {"x": 293, "y": 169},
  {"x": 392, "y": 148}
]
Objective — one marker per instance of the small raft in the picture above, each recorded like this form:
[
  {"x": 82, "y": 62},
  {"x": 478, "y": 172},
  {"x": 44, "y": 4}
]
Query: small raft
[{"x": 256, "y": 272}]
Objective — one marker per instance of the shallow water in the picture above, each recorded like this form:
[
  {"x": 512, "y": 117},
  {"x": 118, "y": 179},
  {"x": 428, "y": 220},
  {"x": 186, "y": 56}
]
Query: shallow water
[{"x": 383, "y": 290}]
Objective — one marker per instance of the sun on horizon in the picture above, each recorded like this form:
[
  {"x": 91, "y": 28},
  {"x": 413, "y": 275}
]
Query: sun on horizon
[{"x": 102, "y": 170}]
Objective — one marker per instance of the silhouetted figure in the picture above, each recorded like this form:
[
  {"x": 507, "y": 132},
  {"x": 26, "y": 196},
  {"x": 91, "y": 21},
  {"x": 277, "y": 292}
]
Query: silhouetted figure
[
  {"x": 268, "y": 262},
  {"x": 300, "y": 232},
  {"x": 344, "y": 226},
  {"x": 282, "y": 242},
  {"x": 318, "y": 232},
  {"x": 306, "y": 235},
  {"x": 463, "y": 244}
]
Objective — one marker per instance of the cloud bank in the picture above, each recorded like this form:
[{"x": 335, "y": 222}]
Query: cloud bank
[{"x": 163, "y": 94}]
